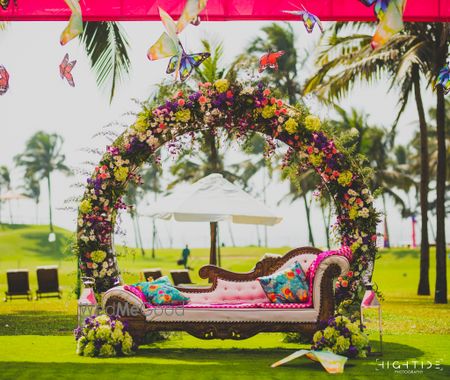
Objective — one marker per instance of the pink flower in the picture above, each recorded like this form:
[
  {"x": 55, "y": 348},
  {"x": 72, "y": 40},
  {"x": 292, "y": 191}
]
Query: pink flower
[
  {"x": 229, "y": 94},
  {"x": 266, "y": 92},
  {"x": 181, "y": 102}
]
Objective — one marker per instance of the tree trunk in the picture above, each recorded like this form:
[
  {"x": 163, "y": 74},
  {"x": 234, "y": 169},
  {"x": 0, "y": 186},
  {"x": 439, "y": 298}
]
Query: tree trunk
[
  {"x": 387, "y": 243},
  {"x": 213, "y": 249},
  {"x": 308, "y": 220},
  {"x": 424, "y": 282},
  {"x": 50, "y": 215},
  {"x": 326, "y": 225},
  {"x": 153, "y": 238},
  {"x": 440, "y": 295},
  {"x": 138, "y": 230}
]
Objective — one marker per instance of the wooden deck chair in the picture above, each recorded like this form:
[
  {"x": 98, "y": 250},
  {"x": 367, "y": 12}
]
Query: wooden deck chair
[
  {"x": 18, "y": 284},
  {"x": 48, "y": 284},
  {"x": 153, "y": 273},
  {"x": 180, "y": 276}
]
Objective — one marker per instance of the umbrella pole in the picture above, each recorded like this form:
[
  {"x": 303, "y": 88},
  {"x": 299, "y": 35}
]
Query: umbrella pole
[{"x": 213, "y": 249}]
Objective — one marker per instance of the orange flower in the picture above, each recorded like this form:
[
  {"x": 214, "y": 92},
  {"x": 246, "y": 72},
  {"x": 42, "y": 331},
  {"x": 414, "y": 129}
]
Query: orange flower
[
  {"x": 344, "y": 283},
  {"x": 229, "y": 94},
  {"x": 202, "y": 99},
  {"x": 181, "y": 102},
  {"x": 266, "y": 92}
]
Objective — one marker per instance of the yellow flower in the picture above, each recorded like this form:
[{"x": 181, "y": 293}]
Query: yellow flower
[
  {"x": 291, "y": 126},
  {"x": 268, "y": 112},
  {"x": 85, "y": 206},
  {"x": 141, "y": 124},
  {"x": 121, "y": 173},
  {"x": 312, "y": 123},
  {"x": 353, "y": 213},
  {"x": 355, "y": 246},
  {"x": 345, "y": 178},
  {"x": 98, "y": 256},
  {"x": 183, "y": 115},
  {"x": 221, "y": 85},
  {"x": 315, "y": 159}
]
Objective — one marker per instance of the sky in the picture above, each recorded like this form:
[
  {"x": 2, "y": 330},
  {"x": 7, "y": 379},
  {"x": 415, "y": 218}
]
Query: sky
[{"x": 39, "y": 100}]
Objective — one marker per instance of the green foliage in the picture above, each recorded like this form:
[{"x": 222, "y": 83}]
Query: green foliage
[{"x": 107, "y": 48}]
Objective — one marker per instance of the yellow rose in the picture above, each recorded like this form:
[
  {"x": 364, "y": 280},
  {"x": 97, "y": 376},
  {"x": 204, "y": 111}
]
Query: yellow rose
[
  {"x": 85, "y": 206},
  {"x": 291, "y": 126},
  {"x": 221, "y": 85},
  {"x": 312, "y": 123},
  {"x": 121, "y": 173},
  {"x": 183, "y": 115}
]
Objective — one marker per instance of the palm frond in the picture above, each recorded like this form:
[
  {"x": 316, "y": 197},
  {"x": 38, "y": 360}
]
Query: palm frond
[{"x": 107, "y": 48}]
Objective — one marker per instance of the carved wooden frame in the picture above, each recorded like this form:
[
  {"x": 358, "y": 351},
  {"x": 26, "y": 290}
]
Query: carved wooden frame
[{"x": 139, "y": 327}]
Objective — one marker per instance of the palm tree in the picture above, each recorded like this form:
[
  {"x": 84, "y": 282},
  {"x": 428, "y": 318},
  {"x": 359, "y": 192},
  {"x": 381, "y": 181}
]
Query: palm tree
[
  {"x": 347, "y": 58},
  {"x": 32, "y": 189},
  {"x": 5, "y": 183},
  {"x": 42, "y": 157}
]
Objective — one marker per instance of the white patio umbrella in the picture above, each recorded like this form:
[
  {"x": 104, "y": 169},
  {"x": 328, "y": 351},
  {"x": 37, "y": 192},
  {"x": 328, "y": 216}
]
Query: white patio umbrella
[
  {"x": 214, "y": 199},
  {"x": 11, "y": 196}
]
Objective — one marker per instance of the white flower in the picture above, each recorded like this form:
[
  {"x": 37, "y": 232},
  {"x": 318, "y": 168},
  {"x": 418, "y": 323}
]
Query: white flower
[
  {"x": 95, "y": 273},
  {"x": 365, "y": 191},
  {"x": 105, "y": 264},
  {"x": 352, "y": 192},
  {"x": 364, "y": 212}
]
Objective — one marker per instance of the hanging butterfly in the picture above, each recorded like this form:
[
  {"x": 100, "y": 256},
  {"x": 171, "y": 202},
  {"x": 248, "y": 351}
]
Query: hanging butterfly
[
  {"x": 75, "y": 26},
  {"x": 443, "y": 78},
  {"x": 4, "y": 80},
  {"x": 270, "y": 60},
  {"x": 190, "y": 14},
  {"x": 65, "y": 70},
  {"x": 5, "y": 4},
  {"x": 390, "y": 19},
  {"x": 309, "y": 20},
  {"x": 169, "y": 45}
]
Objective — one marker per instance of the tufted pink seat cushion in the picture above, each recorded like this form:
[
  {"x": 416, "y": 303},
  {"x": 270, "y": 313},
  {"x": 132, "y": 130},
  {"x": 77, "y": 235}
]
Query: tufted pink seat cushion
[{"x": 231, "y": 292}]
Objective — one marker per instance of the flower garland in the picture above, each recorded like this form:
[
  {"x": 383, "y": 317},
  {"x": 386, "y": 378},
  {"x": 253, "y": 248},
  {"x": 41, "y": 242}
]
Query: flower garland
[{"x": 240, "y": 111}]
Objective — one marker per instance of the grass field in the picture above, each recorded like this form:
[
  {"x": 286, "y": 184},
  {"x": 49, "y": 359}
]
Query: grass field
[{"x": 36, "y": 341}]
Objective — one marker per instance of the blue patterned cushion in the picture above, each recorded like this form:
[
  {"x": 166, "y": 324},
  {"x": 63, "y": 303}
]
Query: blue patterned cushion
[
  {"x": 289, "y": 286},
  {"x": 161, "y": 292}
]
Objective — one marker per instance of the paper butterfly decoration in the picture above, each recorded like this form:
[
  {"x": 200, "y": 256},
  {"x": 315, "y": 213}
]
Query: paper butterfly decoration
[
  {"x": 65, "y": 69},
  {"x": 390, "y": 19},
  {"x": 5, "y": 4},
  {"x": 75, "y": 26},
  {"x": 331, "y": 362},
  {"x": 4, "y": 80},
  {"x": 169, "y": 45},
  {"x": 309, "y": 20},
  {"x": 270, "y": 60},
  {"x": 443, "y": 78}
]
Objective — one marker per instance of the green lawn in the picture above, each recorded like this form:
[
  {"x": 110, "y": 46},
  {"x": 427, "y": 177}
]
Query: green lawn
[{"x": 35, "y": 340}]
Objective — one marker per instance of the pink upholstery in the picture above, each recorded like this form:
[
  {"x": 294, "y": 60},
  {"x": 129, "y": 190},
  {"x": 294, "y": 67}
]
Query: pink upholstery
[
  {"x": 264, "y": 305},
  {"x": 231, "y": 292}
]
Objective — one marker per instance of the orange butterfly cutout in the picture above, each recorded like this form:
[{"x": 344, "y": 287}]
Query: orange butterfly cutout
[
  {"x": 4, "y": 80},
  {"x": 270, "y": 60},
  {"x": 65, "y": 69}
]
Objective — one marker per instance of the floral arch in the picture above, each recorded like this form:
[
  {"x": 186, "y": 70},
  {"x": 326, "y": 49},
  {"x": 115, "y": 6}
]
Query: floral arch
[{"x": 240, "y": 111}]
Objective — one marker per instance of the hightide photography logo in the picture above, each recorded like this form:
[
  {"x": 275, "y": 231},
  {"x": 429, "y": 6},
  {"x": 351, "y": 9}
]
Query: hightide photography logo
[{"x": 409, "y": 367}]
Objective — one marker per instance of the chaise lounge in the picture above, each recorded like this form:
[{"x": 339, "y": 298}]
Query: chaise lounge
[{"x": 235, "y": 306}]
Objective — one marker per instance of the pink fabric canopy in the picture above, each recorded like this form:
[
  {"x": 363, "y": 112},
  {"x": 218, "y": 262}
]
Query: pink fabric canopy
[{"x": 217, "y": 10}]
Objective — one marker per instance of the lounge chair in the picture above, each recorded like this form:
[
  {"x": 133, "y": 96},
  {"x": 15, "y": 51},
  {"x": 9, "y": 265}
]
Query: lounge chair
[
  {"x": 154, "y": 273},
  {"x": 47, "y": 278},
  {"x": 180, "y": 277},
  {"x": 18, "y": 284}
]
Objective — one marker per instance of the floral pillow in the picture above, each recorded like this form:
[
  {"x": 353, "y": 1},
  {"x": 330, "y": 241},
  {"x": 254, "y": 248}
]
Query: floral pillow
[
  {"x": 136, "y": 291},
  {"x": 289, "y": 286},
  {"x": 161, "y": 292},
  {"x": 167, "y": 295}
]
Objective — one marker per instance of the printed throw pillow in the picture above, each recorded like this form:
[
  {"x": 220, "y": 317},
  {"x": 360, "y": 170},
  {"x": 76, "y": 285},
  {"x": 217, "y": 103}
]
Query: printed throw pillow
[
  {"x": 136, "y": 291},
  {"x": 167, "y": 295},
  {"x": 161, "y": 292},
  {"x": 289, "y": 286}
]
